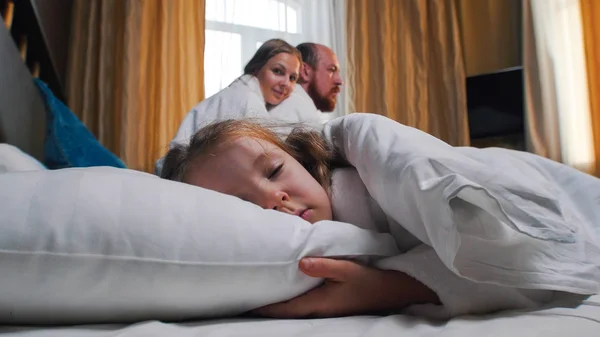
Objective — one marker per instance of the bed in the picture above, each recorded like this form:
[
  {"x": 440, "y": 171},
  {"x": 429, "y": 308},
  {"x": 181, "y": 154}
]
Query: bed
[{"x": 22, "y": 124}]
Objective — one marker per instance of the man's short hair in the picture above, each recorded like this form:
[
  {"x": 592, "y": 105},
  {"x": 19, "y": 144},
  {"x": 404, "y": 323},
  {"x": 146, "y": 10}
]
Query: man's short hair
[{"x": 310, "y": 53}]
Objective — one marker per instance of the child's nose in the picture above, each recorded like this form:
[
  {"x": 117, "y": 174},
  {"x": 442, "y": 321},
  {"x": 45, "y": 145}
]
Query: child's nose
[{"x": 276, "y": 200}]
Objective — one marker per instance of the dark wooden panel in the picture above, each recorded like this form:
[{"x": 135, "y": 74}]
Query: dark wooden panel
[
  {"x": 54, "y": 17},
  {"x": 28, "y": 35},
  {"x": 22, "y": 112}
]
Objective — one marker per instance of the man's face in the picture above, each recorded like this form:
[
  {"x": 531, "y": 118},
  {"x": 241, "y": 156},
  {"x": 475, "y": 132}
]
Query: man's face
[{"x": 325, "y": 80}]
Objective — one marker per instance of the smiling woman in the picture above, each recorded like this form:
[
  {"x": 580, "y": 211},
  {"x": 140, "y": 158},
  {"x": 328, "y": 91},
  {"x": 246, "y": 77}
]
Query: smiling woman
[
  {"x": 278, "y": 77},
  {"x": 276, "y": 65}
]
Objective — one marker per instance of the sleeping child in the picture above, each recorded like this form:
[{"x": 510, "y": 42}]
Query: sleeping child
[{"x": 302, "y": 176}]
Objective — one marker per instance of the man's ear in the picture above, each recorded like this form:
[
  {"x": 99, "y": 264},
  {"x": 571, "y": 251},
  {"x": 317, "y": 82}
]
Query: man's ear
[{"x": 306, "y": 72}]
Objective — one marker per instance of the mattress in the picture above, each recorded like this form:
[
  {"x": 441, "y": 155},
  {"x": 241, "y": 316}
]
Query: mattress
[{"x": 568, "y": 319}]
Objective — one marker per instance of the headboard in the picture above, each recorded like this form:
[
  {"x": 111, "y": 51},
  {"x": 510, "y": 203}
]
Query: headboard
[{"x": 23, "y": 56}]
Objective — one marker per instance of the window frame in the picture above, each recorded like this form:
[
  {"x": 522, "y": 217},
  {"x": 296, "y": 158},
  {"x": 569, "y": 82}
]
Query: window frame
[{"x": 250, "y": 35}]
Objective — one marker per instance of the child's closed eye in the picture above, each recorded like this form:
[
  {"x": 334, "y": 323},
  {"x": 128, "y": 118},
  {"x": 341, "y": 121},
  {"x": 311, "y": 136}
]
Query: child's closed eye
[{"x": 275, "y": 172}]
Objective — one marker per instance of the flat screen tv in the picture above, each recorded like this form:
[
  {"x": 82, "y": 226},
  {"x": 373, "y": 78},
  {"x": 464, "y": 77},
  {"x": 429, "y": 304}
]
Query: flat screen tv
[{"x": 495, "y": 104}]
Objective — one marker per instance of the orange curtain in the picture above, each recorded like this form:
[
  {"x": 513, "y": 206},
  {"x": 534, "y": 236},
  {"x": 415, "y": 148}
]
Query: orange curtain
[
  {"x": 405, "y": 62},
  {"x": 590, "y": 13},
  {"x": 490, "y": 34},
  {"x": 135, "y": 69}
]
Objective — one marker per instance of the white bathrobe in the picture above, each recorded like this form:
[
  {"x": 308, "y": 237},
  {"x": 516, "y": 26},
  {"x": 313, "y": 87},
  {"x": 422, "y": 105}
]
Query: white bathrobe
[{"x": 243, "y": 99}]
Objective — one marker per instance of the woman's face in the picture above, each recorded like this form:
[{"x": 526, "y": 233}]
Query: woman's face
[
  {"x": 278, "y": 77},
  {"x": 263, "y": 174}
]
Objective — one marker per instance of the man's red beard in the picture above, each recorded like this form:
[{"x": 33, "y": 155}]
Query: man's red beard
[{"x": 323, "y": 103}]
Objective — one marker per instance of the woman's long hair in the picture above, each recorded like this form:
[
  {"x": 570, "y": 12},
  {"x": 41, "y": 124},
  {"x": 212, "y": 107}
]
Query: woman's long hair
[{"x": 266, "y": 52}]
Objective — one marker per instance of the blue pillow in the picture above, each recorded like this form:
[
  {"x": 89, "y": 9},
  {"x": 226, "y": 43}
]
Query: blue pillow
[{"x": 68, "y": 142}]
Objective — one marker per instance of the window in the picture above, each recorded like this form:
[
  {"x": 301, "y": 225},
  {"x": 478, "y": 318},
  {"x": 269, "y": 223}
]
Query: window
[
  {"x": 235, "y": 29},
  {"x": 273, "y": 15},
  {"x": 225, "y": 49}
]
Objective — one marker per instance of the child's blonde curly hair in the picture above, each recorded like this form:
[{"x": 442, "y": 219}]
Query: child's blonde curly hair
[{"x": 307, "y": 146}]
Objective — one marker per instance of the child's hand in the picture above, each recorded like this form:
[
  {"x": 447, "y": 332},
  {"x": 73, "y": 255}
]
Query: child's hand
[{"x": 350, "y": 289}]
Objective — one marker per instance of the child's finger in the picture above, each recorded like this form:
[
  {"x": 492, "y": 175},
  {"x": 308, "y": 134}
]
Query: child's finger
[{"x": 338, "y": 270}]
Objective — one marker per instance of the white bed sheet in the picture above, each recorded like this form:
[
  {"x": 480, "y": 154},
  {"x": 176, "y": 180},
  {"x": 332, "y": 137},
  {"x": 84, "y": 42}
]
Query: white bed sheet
[{"x": 582, "y": 320}]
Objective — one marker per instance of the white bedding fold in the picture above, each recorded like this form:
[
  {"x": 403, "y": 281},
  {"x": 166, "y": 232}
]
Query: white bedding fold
[{"x": 459, "y": 296}]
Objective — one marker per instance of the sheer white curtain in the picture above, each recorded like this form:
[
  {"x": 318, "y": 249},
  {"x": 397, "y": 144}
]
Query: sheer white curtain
[
  {"x": 558, "y": 112},
  {"x": 236, "y": 28}
]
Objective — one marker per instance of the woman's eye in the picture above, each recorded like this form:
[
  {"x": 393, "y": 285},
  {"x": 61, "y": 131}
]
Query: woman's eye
[
  {"x": 275, "y": 172},
  {"x": 293, "y": 78},
  {"x": 277, "y": 71}
]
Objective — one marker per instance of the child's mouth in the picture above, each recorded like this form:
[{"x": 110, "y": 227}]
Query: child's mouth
[{"x": 305, "y": 214}]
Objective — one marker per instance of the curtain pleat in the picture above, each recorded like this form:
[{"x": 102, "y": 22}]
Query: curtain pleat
[
  {"x": 558, "y": 85},
  {"x": 135, "y": 69},
  {"x": 405, "y": 62},
  {"x": 590, "y": 14}
]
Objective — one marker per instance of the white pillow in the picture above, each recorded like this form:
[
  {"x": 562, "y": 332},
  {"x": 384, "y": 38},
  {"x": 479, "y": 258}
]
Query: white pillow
[
  {"x": 12, "y": 160},
  {"x": 112, "y": 245}
]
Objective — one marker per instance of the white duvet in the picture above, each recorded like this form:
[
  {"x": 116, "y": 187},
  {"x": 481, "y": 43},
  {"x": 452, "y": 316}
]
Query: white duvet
[{"x": 497, "y": 219}]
